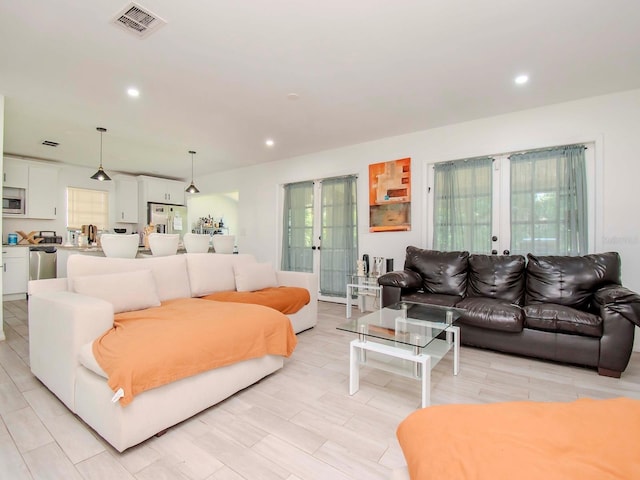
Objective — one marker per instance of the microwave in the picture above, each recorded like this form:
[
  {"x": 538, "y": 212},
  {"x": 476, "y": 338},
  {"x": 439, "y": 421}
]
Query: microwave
[{"x": 13, "y": 201}]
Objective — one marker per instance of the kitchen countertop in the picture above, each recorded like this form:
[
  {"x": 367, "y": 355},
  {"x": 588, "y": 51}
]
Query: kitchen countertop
[{"x": 95, "y": 248}]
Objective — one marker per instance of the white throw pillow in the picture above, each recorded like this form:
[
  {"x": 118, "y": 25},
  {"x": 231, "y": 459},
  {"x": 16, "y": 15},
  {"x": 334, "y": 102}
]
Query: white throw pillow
[
  {"x": 125, "y": 291},
  {"x": 255, "y": 276},
  {"x": 213, "y": 272}
]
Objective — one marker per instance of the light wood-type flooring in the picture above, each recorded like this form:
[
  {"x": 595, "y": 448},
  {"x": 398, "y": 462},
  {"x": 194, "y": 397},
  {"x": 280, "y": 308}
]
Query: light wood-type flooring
[{"x": 299, "y": 423}]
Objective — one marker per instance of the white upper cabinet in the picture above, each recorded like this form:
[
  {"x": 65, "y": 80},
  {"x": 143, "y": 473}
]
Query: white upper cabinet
[
  {"x": 126, "y": 200},
  {"x": 42, "y": 192},
  {"x": 159, "y": 190},
  {"x": 175, "y": 190},
  {"x": 15, "y": 173}
]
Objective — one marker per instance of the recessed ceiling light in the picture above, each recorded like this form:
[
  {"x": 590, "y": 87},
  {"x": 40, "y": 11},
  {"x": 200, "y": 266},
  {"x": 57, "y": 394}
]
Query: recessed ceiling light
[
  {"x": 293, "y": 96},
  {"x": 269, "y": 142},
  {"x": 522, "y": 79},
  {"x": 133, "y": 92}
]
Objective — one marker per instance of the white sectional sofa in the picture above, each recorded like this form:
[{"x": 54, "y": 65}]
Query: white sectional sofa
[{"x": 64, "y": 323}]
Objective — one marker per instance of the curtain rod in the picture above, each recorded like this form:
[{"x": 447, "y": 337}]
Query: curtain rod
[{"x": 508, "y": 154}]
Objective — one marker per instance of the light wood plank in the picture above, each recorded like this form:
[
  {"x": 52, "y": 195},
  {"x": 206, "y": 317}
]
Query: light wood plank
[{"x": 49, "y": 462}]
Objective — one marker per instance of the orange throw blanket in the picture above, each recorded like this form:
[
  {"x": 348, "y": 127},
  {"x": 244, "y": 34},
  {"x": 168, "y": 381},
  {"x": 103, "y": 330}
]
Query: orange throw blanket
[
  {"x": 585, "y": 439},
  {"x": 287, "y": 300},
  {"x": 149, "y": 348}
]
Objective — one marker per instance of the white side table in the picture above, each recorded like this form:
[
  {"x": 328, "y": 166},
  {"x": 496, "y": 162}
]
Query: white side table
[{"x": 362, "y": 286}]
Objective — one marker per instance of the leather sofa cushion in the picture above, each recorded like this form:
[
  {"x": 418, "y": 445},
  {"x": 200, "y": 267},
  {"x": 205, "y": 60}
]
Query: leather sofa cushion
[
  {"x": 432, "y": 299},
  {"x": 570, "y": 281},
  {"x": 562, "y": 319},
  {"x": 497, "y": 276},
  {"x": 492, "y": 314},
  {"x": 441, "y": 272}
]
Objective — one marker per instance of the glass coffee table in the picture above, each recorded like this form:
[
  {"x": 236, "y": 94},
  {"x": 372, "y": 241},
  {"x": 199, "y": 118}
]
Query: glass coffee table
[{"x": 406, "y": 338}]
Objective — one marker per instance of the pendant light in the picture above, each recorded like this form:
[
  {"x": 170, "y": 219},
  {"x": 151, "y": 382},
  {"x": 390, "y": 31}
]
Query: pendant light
[
  {"x": 101, "y": 174},
  {"x": 192, "y": 188}
]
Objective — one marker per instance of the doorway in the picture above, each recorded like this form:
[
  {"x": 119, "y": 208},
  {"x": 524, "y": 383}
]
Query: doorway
[{"x": 320, "y": 232}]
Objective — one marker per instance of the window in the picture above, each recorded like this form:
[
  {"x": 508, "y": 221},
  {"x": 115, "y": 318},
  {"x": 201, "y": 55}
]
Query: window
[
  {"x": 87, "y": 207},
  {"x": 527, "y": 202}
]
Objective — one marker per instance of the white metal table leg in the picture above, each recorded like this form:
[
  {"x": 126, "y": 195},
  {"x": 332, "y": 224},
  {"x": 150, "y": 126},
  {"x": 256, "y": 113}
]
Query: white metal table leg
[
  {"x": 354, "y": 368},
  {"x": 425, "y": 361},
  {"x": 456, "y": 349}
]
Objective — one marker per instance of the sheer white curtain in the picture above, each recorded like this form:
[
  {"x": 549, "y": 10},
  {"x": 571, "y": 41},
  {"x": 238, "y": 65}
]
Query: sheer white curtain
[
  {"x": 549, "y": 202},
  {"x": 339, "y": 251},
  {"x": 463, "y": 205},
  {"x": 297, "y": 235}
]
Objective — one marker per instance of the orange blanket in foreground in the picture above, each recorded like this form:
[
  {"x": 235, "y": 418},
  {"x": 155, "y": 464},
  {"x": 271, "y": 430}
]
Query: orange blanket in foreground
[
  {"x": 583, "y": 440},
  {"x": 287, "y": 300},
  {"x": 149, "y": 348}
]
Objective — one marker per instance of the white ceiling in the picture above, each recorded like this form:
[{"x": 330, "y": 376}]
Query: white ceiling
[{"x": 216, "y": 77}]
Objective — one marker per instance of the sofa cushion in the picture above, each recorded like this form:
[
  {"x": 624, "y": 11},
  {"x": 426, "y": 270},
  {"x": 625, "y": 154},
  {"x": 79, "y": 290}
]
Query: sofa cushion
[
  {"x": 254, "y": 276},
  {"x": 491, "y": 313},
  {"x": 125, "y": 291},
  {"x": 432, "y": 299},
  {"x": 570, "y": 281},
  {"x": 562, "y": 319},
  {"x": 497, "y": 276},
  {"x": 287, "y": 300},
  {"x": 169, "y": 273},
  {"x": 441, "y": 272},
  {"x": 213, "y": 272}
]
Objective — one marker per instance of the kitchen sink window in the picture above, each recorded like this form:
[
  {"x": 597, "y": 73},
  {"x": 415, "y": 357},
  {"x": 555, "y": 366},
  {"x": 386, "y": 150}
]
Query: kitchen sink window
[{"x": 87, "y": 207}]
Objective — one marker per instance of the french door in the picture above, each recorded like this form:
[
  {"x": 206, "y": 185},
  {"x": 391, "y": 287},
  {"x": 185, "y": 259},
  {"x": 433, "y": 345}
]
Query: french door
[
  {"x": 539, "y": 202},
  {"x": 320, "y": 232}
]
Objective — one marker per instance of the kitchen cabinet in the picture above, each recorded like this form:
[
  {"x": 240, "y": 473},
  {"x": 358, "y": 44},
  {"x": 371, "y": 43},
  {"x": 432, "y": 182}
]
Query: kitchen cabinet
[
  {"x": 159, "y": 190},
  {"x": 15, "y": 173},
  {"x": 126, "y": 200},
  {"x": 42, "y": 192},
  {"x": 15, "y": 270}
]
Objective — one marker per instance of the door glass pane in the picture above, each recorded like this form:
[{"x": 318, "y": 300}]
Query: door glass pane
[
  {"x": 297, "y": 237},
  {"x": 548, "y": 202},
  {"x": 462, "y": 205},
  {"x": 339, "y": 234}
]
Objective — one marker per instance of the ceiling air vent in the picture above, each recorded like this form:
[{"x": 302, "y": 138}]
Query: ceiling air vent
[
  {"x": 49, "y": 143},
  {"x": 138, "y": 20}
]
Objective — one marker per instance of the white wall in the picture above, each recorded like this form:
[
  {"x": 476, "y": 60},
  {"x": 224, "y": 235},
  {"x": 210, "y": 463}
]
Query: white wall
[{"x": 613, "y": 121}]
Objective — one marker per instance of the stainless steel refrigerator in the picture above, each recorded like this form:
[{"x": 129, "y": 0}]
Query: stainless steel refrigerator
[{"x": 168, "y": 218}]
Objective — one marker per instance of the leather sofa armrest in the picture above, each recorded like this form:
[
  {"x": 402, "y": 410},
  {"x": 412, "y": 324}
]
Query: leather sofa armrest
[
  {"x": 616, "y": 299},
  {"x": 401, "y": 279},
  {"x": 620, "y": 311}
]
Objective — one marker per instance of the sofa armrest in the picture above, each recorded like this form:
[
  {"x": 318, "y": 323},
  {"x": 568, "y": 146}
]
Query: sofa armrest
[
  {"x": 620, "y": 300},
  {"x": 401, "y": 279},
  {"x": 394, "y": 282},
  {"x": 620, "y": 311},
  {"x": 307, "y": 317},
  {"x": 59, "y": 324},
  {"x": 36, "y": 287},
  {"x": 299, "y": 279}
]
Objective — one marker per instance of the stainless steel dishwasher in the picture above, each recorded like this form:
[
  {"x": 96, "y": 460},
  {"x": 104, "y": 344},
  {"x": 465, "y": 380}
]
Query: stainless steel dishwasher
[{"x": 42, "y": 262}]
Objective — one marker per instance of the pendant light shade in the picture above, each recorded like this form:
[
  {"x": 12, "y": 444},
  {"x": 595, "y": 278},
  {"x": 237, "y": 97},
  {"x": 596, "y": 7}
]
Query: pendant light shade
[
  {"x": 101, "y": 175},
  {"x": 192, "y": 188}
]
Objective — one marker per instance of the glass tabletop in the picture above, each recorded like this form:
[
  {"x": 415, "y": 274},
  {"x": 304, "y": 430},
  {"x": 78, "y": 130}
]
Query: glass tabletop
[{"x": 410, "y": 323}]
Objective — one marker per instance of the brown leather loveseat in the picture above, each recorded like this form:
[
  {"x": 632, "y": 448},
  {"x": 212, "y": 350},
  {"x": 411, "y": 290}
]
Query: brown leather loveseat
[{"x": 567, "y": 309}]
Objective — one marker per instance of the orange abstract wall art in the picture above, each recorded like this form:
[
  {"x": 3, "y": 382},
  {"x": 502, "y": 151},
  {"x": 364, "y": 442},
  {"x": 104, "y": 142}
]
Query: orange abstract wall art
[{"x": 390, "y": 196}]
